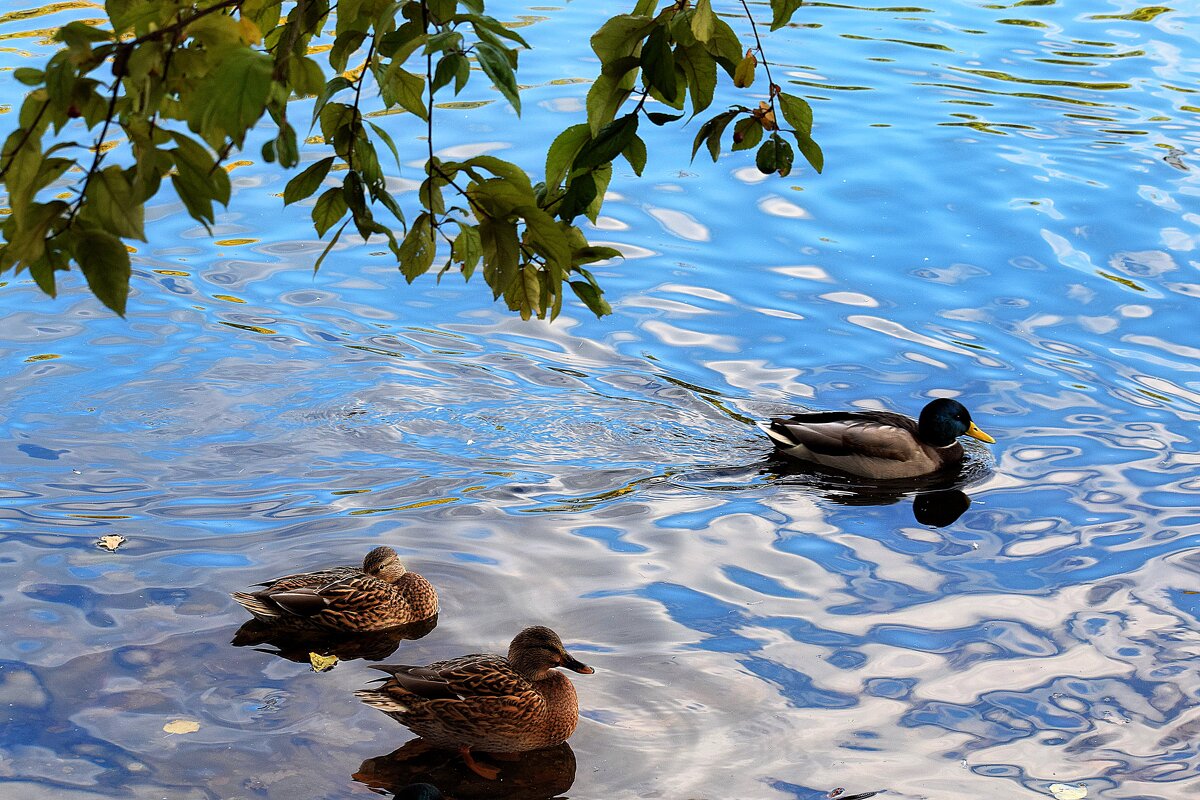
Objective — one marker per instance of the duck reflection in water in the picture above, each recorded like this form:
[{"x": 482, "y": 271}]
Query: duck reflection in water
[
  {"x": 532, "y": 775},
  {"x": 938, "y": 499},
  {"x": 302, "y": 646}
]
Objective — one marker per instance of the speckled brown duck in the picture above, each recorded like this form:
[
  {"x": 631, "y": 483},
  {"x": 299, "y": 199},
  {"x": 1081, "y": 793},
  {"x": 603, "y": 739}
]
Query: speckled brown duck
[
  {"x": 487, "y": 702},
  {"x": 380, "y": 595}
]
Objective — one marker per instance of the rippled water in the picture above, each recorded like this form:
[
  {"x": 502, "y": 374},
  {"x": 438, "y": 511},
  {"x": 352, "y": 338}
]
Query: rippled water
[{"x": 1008, "y": 214}]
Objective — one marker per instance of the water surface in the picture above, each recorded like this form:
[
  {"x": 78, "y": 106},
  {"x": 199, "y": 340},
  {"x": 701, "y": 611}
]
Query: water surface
[{"x": 1008, "y": 215}]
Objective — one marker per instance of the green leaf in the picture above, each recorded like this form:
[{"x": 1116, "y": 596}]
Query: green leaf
[
  {"x": 700, "y": 69},
  {"x": 725, "y": 47},
  {"x": 620, "y": 36},
  {"x": 608, "y": 144},
  {"x": 399, "y": 86},
  {"x": 29, "y": 76},
  {"x": 635, "y": 154},
  {"x": 704, "y": 21},
  {"x": 105, "y": 263},
  {"x": 329, "y": 247},
  {"x": 592, "y": 297},
  {"x": 660, "y": 119},
  {"x": 500, "y": 252},
  {"x": 467, "y": 249},
  {"x": 591, "y": 254},
  {"x": 747, "y": 133},
  {"x": 447, "y": 69},
  {"x": 418, "y": 249},
  {"x": 783, "y": 10},
  {"x": 581, "y": 193},
  {"x": 448, "y": 40},
  {"x": 344, "y": 46},
  {"x": 562, "y": 152},
  {"x": 401, "y": 43},
  {"x": 331, "y": 206},
  {"x": 528, "y": 292},
  {"x": 775, "y": 155},
  {"x": 496, "y": 66},
  {"x": 489, "y": 25},
  {"x": 606, "y": 96},
  {"x": 797, "y": 112},
  {"x": 307, "y": 181},
  {"x": 545, "y": 236},
  {"x": 335, "y": 85},
  {"x": 387, "y": 139},
  {"x": 111, "y": 204},
  {"x": 811, "y": 151},
  {"x": 602, "y": 175},
  {"x": 442, "y": 10},
  {"x": 305, "y": 76},
  {"x": 710, "y": 133},
  {"x": 232, "y": 97},
  {"x": 500, "y": 168},
  {"x": 658, "y": 64}
]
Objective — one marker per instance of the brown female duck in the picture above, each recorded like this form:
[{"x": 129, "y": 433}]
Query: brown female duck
[
  {"x": 878, "y": 444},
  {"x": 487, "y": 702},
  {"x": 379, "y": 596}
]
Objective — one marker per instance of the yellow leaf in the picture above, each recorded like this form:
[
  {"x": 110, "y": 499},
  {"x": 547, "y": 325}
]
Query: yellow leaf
[
  {"x": 182, "y": 726},
  {"x": 111, "y": 542},
  {"x": 766, "y": 116},
  {"x": 249, "y": 31},
  {"x": 743, "y": 76},
  {"x": 322, "y": 663},
  {"x": 1067, "y": 791}
]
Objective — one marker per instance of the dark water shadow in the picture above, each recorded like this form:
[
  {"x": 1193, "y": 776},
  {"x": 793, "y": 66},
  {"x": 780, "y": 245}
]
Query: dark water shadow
[
  {"x": 299, "y": 646},
  {"x": 937, "y": 500},
  {"x": 536, "y": 775}
]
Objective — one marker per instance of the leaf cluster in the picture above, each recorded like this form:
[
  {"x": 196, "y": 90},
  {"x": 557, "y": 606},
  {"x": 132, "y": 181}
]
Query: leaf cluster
[{"x": 173, "y": 87}]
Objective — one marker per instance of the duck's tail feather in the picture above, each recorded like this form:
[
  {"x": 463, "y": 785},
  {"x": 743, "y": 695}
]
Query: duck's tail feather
[
  {"x": 384, "y": 702},
  {"x": 261, "y": 609}
]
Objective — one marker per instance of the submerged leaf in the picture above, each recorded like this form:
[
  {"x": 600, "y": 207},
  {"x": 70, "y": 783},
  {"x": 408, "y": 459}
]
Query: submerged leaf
[{"x": 182, "y": 726}]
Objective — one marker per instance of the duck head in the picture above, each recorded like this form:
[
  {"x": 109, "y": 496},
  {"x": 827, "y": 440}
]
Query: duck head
[
  {"x": 383, "y": 563},
  {"x": 537, "y": 650},
  {"x": 944, "y": 420}
]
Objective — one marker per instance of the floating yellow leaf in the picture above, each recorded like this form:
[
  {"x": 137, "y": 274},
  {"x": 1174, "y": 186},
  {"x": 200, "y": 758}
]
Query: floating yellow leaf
[
  {"x": 1067, "y": 791},
  {"x": 321, "y": 663},
  {"x": 182, "y": 726},
  {"x": 111, "y": 542}
]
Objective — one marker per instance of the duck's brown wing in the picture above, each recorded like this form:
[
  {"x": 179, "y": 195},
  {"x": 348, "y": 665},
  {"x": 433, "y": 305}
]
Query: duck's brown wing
[
  {"x": 477, "y": 675},
  {"x": 310, "y": 594},
  {"x": 874, "y": 434},
  {"x": 309, "y": 580}
]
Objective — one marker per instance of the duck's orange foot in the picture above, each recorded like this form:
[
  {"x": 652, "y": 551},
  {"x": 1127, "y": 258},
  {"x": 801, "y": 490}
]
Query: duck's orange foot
[{"x": 482, "y": 770}]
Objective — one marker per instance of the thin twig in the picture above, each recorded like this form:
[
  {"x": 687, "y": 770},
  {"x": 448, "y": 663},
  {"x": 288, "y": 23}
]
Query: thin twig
[
  {"x": 183, "y": 23},
  {"x": 433, "y": 223},
  {"x": 362, "y": 78},
  {"x": 99, "y": 148},
  {"x": 28, "y": 132},
  {"x": 762, "y": 55}
]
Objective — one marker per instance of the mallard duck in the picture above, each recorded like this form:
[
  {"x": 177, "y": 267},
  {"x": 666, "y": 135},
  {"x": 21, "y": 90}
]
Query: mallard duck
[
  {"x": 878, "y": 444},
  {"x": 484, "y": 701},
  {"x": 379, "y": 596}
]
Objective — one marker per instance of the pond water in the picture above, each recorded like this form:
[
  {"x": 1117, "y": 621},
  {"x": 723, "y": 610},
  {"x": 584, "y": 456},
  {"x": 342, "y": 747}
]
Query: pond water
[{"x": 1008, "y": 215}]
